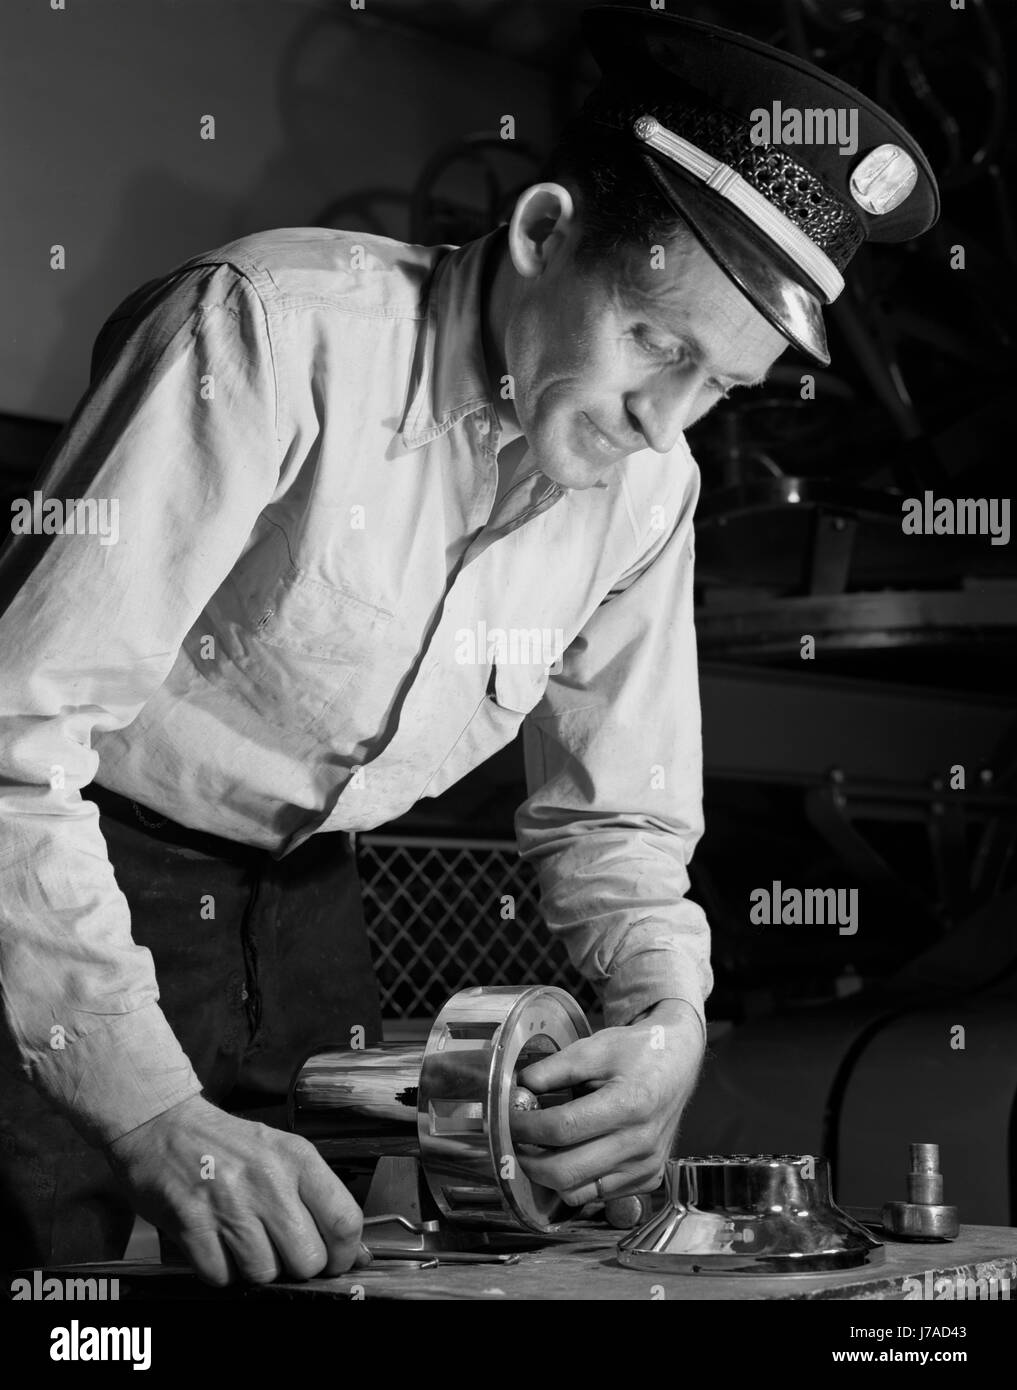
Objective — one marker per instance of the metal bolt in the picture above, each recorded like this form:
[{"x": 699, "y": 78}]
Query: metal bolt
[
  {"x": 923, "y": 1216},
  {"x": 925, "y": 1181}
]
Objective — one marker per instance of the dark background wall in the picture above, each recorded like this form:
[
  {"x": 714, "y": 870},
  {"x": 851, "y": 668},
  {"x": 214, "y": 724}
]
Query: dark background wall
[{"x": 101, "y": 106}]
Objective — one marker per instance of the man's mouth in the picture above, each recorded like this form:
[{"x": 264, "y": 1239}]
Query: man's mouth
[{"x": 609, "y": 447}]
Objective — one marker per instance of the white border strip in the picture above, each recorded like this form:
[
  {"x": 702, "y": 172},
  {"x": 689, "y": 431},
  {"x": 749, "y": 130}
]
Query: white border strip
[{"x": 759, "y": 210}]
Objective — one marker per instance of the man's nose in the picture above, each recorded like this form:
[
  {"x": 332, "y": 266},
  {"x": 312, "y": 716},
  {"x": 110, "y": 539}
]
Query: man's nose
[{"x": 662, "y": 411}]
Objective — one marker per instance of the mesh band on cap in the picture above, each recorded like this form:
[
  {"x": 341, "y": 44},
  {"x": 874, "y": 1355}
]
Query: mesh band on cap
[
  {"x": 795, "y": 191},
  {"x": 729, "y": 184}
]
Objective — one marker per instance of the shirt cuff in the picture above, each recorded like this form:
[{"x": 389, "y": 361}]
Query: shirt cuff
[
  {"x": 647, "y": 978},
  {"x": 117, "y": 1075}
]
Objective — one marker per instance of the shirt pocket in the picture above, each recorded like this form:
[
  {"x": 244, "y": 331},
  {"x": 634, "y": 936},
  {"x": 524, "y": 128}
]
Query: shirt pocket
[
  {"x": 517, "y": 689},
  {"x": 308, "y": 642},
  {"x": 512, "y": 692},
  {"x": 309, "y": 619}
]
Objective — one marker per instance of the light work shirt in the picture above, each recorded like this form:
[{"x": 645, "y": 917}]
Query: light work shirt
[{"x": 309, "y": 614}]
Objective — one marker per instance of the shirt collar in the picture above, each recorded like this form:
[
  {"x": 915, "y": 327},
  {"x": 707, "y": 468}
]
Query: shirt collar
[{"x": 451, "y": 377}]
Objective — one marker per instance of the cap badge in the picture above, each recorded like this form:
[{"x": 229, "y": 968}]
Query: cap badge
[{"x": 883, "y": 179}]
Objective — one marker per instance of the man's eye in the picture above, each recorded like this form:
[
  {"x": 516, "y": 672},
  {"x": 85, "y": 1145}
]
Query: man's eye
[
  {"x": 674, "y": 356},
  {"x": 655, "y": 349}
]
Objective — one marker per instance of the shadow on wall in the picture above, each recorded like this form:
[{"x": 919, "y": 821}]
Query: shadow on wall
[
  {"x": 88, "y": 299},
  {"x": 312, "y": 106}
]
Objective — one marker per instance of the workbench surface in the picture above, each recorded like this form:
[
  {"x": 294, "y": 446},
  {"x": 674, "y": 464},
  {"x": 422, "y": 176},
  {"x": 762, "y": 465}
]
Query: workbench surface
[{"x": 585, "y": 1268}]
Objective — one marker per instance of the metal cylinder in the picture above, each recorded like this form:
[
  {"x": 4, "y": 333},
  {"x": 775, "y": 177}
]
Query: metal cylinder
[
  {"x": 450, "y": 1102},
  {"x": 924, "y": 1216},
  {"x": 479, "y": 1043},
  {"x": 359, "y": 1104},
  {"x": 925, "y": 1181},
  {"x": 923, "y": 1158},
  {"x": 925, "y": 1188}
]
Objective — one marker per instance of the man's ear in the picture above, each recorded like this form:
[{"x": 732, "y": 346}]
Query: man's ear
[{"x": 542, "y": 221}]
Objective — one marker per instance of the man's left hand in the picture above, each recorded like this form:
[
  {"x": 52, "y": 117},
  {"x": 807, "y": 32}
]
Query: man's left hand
[{"x": 637, "y": 1081}]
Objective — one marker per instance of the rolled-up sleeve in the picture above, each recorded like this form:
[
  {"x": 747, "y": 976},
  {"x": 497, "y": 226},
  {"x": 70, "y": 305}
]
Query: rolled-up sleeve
[
  {"x": 176, "y": 442},
  {"x": 614, "y": 779}
]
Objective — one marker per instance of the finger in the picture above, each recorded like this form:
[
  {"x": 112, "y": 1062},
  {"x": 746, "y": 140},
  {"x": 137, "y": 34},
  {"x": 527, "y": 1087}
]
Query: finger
[
  {"x": 298, "y": 1242},
  {"x": 207, "y": 1256},
  {"x": 611, "y": 1185},
  {"x": 253, "y": 1252},
  {"x": 578, "y": 1121},
  {"x": 629, "y": 1158},
  {"x": 335, "y": 1213},
  {"x": 587, "y": 1060}
]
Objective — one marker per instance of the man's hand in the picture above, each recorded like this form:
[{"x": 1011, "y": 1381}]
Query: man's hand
[
  {"x": 241, "y": 1199},
  {"x": 638, "y": 1081}
]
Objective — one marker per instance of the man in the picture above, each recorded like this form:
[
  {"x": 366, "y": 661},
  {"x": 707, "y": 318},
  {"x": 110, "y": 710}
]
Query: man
[{"x": 331, "y": 454}]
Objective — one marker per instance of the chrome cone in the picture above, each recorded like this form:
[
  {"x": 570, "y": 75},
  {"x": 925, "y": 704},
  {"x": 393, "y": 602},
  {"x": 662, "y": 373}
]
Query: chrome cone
[{"x": 750, "y": 1214}]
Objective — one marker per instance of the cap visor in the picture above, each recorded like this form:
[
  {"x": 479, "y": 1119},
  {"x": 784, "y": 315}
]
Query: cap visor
[{"x": 748, "y": 258}]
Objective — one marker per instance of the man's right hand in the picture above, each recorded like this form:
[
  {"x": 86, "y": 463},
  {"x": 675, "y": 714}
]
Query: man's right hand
[{"x": 241, "y": 1199}]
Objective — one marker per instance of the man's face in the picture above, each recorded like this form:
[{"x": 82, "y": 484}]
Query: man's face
[{"x": 616, "y": 359}]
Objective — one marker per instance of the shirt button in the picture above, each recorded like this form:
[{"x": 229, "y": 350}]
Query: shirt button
[{"x": 483, "y": 425}]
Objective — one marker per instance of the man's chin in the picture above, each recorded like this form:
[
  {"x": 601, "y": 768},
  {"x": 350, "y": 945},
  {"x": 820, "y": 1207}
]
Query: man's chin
[{"x": 576, "y": 474}]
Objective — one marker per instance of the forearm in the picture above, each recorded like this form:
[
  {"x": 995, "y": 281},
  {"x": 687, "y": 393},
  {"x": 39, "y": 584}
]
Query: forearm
[
  {"x": 615, "y": 896},
  {"x": 679, "y": 1014}
]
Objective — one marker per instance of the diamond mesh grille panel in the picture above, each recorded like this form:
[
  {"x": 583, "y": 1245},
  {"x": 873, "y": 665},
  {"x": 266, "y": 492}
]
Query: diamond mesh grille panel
[{"x": 434, "y": 920}]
